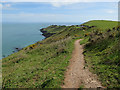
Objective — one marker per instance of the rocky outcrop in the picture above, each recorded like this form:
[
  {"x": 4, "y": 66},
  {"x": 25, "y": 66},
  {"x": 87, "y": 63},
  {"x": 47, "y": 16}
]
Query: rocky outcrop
[{"x": 45, "y": 33}]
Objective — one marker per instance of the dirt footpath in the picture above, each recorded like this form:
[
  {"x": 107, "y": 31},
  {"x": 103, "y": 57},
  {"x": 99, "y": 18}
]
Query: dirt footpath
[{"x": 76, "y": 75}]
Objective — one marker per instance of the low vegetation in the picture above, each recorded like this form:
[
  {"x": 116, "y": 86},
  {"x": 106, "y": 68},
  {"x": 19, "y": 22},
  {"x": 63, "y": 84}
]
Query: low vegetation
[
  {"x": 102, "y": 53},
  {"x": 43, "y": 64}
]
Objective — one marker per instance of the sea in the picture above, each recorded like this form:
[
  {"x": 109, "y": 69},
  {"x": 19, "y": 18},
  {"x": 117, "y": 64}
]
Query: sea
[{"x": 20, "y": 35}]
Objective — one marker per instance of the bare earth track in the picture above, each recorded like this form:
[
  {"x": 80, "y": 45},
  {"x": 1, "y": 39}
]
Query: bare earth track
[{"x": 76, "y": 75}]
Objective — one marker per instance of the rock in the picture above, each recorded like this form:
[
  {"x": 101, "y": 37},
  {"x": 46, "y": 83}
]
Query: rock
[
  {"x": 18, "y": 49},
  {"x": 46, "y": 34}
]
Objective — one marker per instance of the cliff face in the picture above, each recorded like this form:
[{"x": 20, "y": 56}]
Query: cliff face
[
  {"x": 51, "y": 30},
  {"x": 45, "y": 33}
]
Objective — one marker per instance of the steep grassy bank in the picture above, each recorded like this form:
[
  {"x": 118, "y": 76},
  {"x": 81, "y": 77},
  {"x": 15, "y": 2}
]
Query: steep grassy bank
[
  {"x": 102, "y": 52},
  {"x": 43, "y": 64},
  {"x": 40, "y": 67}
]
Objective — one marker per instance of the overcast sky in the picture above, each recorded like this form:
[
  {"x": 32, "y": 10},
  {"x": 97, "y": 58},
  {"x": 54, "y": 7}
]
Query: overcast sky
[{"x": 58, "y": 12}]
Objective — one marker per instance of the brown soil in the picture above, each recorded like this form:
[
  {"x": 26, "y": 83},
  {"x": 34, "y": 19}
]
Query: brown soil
[{"x": 77, "y": 75}]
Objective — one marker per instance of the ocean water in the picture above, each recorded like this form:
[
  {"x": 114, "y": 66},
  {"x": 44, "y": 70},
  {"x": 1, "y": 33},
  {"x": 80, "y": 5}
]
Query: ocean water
[{"x": 20, "y": 35}]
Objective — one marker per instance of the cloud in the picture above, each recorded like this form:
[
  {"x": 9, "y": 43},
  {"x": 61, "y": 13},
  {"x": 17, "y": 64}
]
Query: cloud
[
  {"x": 26, "y": 17},
  {"x": 111, "y": 11},
  {"x": 59, "y": 4},
  {"x": 3, "y": 1},
  {"x": 0, "y": 5},
  {"x": 61, "y": 1},
  {"x": 6, "y": 6}
]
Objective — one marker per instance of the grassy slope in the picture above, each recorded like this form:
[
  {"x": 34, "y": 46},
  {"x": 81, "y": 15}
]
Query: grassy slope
[
  {"x": 40, "y": 65},
  {"x": 102, "y": 24},
  {"x": 55, "y": 29},
  {"x": 43, "y": 64},
  {"x": 102, "y": 51}
]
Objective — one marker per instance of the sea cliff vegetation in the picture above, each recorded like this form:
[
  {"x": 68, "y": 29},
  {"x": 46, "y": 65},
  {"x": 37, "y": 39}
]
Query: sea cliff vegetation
[{"x": 43, "y": 64}]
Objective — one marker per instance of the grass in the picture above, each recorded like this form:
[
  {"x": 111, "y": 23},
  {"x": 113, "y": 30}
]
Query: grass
[
  {"x": 102, "y": 55},
  {"x": 41, "y": 67},
  {"x": 43, "y": 64},
  {"x": 84, "y": 41},
  {"x": 81, "y": 87},
  {"x": 54, "y": 29},
  {"x": 102, "y": 24}
]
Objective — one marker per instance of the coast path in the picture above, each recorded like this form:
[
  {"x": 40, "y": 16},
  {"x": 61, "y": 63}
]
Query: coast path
[{"x": 77, "y": 75}]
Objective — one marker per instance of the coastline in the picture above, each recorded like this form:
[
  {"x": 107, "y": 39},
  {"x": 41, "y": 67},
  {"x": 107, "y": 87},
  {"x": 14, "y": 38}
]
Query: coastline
[
  {"x": 50, "y": 57},
  {"x": 17, "y": 49},
  {"x": 45, "y": 33}
]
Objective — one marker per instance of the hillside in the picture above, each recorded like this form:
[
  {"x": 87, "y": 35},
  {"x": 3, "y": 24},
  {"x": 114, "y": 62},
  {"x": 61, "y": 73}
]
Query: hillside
[
  {"x": 43, "y": 64},
  {"x": 102, "y": 52}
]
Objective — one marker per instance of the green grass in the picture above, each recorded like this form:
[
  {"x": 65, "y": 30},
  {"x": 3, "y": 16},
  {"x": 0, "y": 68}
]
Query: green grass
[
  {"x": 54, "y": 29},
  {"x": 84, "y": 41},
  {"x": 81, "y": 87},
  {"x": 43, "y": 64},
  {"x": 41, "y": 67},
  {"x": 102, "y": 24},
  {"x": 102, "y": 54}
]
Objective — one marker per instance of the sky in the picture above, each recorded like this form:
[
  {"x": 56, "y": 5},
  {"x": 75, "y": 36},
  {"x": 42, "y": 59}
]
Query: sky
[{"x": 58, "y": 12}]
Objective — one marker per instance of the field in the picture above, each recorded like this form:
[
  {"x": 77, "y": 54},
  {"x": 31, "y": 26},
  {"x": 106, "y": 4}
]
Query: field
[{"x": 43, "y": 64}]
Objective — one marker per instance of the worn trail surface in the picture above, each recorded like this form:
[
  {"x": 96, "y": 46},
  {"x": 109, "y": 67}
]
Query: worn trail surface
[{"x": 76, "y": 75}]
